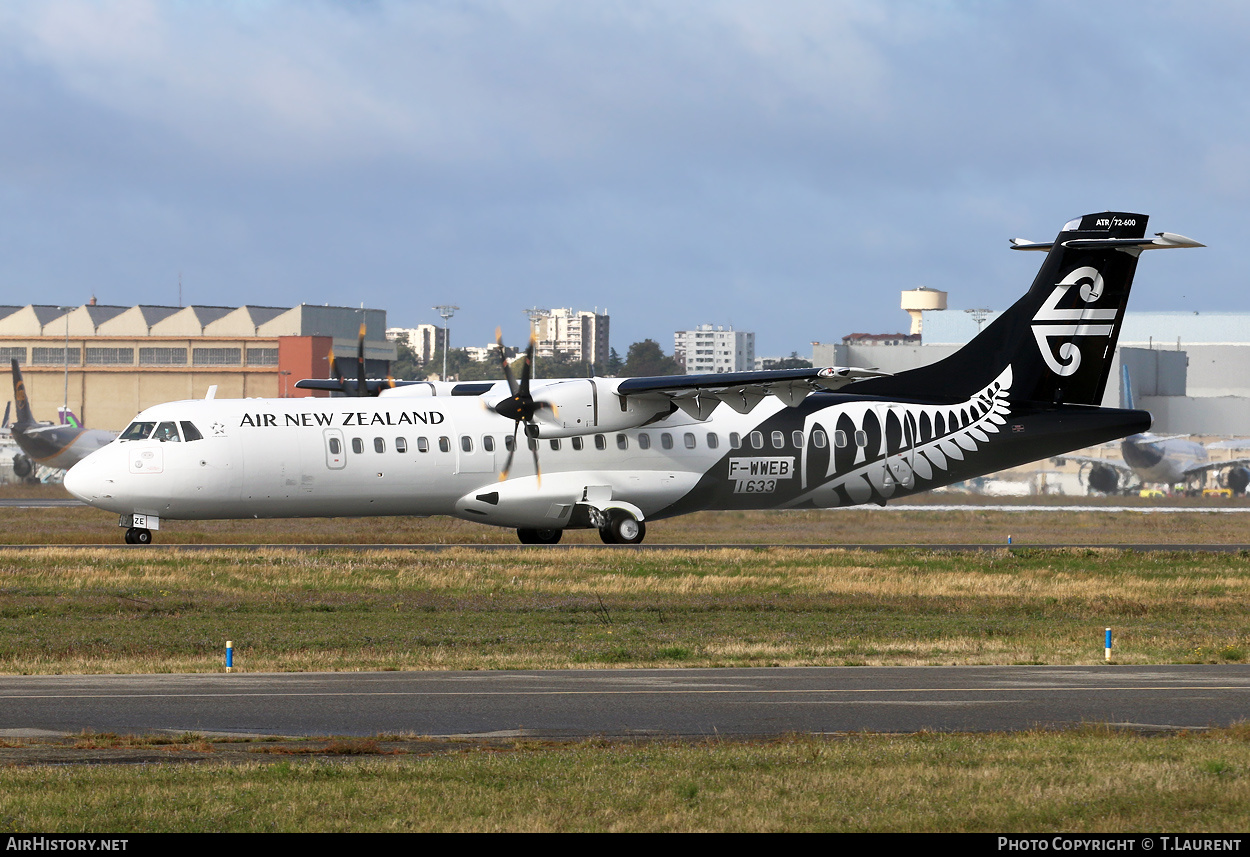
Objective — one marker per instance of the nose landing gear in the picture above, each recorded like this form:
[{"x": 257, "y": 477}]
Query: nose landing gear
[{"x": 138, "y": 536}]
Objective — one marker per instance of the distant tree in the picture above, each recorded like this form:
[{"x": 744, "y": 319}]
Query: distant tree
[
  {"x": 615, "y": 364},
  {"x": 562, "y": 365},
  {"x": 406, "y": 365},
  {"x": 647, "y": 358},
  {"x": 794, "y": 361}
]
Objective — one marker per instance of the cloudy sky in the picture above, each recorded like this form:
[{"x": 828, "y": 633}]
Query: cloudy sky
[{"x": 785, "y": 166}]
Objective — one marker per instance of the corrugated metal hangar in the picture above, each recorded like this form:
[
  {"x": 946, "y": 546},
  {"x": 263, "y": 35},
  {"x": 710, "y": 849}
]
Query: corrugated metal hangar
[{"x": 111, "y": 362}]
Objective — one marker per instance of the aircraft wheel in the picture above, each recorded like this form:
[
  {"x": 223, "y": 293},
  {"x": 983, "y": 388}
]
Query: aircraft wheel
[
  {"x": 622, "y": 529},
  {"x": 138, "y": 536},
  {"x": 539, "y": 537}
]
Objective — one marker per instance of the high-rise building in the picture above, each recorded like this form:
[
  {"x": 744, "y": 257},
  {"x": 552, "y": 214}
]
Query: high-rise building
[
  {"x": 424, "y": 339},
  {"x": 708, "y": 349},
  {"x": 581, "y": 334}
]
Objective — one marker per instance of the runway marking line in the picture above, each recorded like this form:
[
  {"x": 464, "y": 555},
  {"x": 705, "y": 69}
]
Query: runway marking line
[{"x": 247, "y": 694}]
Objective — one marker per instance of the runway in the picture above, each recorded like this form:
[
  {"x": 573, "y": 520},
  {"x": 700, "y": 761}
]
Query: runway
[
  {"x": 37, "y": 503},
  {"x": 308, "y": 547},
  {"x": 621, "y": 703}
]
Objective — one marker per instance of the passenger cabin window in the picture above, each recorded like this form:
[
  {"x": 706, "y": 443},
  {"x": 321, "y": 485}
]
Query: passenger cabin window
[
  {"x": 577, "y": 444},
  {"x": 555, "y": 444},
  {"x": 779, "y": 440},
  {"x": 358, "y": 445},
  {"x": 423, "y": 445},
  {"x": 818, "y": 439},
  {"x": 735, "y": 440},
  {"x": 757, "y": 440},
  {"x": 666, "y": 440},
  {"x": 509, "y": 442},
  {"x": 167, "y": 433},
  {"x": 401, "y": 444},
  {"x": 796, "y": 438},
  {"x": 644, "y": 440},
  {"x": 444, "y": 444},
  {"x": 379, "y": 445},
  {"x": 138, "y": 431},
  {"x": 839, "y": 439},
  {"x": 712, "y": 440},
  {"x": 466, "y": 443},
  {"x": 190, "y": 432},
  {"x": 622, "y": 442},
  {"x": 488, "y": 443},
  {"x": 601, "y": 442},
  {"x": 688, "y": 439},
  {"x": 335, "y": 446},
  {"x": 861, "y": 438}
]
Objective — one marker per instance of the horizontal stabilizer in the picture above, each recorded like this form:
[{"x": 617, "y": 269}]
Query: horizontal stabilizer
[{"x": 1161, "y": 241}]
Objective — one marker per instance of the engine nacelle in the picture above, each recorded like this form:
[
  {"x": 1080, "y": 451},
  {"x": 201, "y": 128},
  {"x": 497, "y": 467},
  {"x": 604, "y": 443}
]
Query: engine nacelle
[
  {"x": 1103, "y": 479},
  {"x": 588, "y": 405},
  {"x": 1238, "y": 479},
  {"x": 23, "y": 467}
]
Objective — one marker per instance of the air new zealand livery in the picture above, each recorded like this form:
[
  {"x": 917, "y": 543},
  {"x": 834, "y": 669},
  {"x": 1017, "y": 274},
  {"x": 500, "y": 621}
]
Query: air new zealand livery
[{"x": 618, "y": 452}]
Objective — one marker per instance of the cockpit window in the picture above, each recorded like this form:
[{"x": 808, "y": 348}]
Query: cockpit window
[
  {"x": 138, "y": 431},
  {"x": 190, "y": 432},
  {"x": 167, "y": 433}
]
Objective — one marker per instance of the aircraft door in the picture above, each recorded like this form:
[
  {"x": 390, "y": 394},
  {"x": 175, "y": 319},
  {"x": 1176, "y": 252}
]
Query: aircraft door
[
  {"x": 336, "y": 452},
  {"x": 898, "y": 446}
]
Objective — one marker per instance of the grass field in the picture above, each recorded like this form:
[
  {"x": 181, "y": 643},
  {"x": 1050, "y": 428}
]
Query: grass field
[
  {"x": 1086, "y": 780},
  {"x": 109, "y": 610}
]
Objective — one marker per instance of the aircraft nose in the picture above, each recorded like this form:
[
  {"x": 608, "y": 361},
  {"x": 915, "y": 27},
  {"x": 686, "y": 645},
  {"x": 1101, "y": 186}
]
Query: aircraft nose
[{"x": 85, "y": 481}]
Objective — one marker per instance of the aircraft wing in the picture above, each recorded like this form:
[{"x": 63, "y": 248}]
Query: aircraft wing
[
  {"x": 1238, "y": 443},
  {"x": 1208, "y": 466},
  {"x": 1113, "y": 463},
  {"x": 334, "y": 385},
  {"x": 699, "y": 395}
]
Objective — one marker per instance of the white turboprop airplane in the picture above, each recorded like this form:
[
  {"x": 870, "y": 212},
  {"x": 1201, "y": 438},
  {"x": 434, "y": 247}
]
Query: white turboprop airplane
[{"x": 616, "y": 453}]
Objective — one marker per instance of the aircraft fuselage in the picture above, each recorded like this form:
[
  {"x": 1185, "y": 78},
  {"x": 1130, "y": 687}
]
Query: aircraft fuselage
[{"x": 443, "y": 456}]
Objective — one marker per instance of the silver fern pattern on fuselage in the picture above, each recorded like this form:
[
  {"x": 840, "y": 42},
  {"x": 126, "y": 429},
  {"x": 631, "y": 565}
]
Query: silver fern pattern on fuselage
[{"x": 908, "y": 444}]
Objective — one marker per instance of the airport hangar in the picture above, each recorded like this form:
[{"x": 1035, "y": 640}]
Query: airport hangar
[
  {"x": 111, "y": 362},
  {"x": 1191, "y": 370}
]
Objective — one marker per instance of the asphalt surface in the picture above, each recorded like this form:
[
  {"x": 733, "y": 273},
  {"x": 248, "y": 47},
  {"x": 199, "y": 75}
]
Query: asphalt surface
[{"x": 621, "y": 703}]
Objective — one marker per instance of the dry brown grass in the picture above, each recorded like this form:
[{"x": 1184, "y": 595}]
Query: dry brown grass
[{"x": 103, "y": 610}]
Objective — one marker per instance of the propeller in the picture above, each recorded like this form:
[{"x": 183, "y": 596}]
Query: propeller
[
  {"x": 360, "y": 386},
  {"x": 357, "y": 387},
  {"x": 520, "y": 407}
]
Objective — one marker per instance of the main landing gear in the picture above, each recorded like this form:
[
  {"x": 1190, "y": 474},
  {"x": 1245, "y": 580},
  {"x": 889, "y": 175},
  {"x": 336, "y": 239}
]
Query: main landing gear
[
  {"x": 539, "y": 537},
  {"x": 622, "y": 528},
  {"x": 617, "y": 527},
  {"x": 138, "y": 536}
]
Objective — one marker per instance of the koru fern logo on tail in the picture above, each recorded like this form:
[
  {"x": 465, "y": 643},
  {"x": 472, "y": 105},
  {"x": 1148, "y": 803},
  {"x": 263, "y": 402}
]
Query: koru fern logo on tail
[{"x": 1051, "y": 322}]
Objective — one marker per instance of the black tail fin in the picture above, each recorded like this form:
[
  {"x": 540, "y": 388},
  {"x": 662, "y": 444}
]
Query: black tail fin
[
  {"x": 1060, "y": 338},
  {"x": 24, "y": 415}
]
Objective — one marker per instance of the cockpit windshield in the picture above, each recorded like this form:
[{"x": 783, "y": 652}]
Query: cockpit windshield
[
  {"x": 166, "y": 432},
  {"x": 138, "y": 431}
]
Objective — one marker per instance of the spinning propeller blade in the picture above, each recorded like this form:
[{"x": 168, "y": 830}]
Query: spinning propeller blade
[{"x": 521, "y": 407}]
